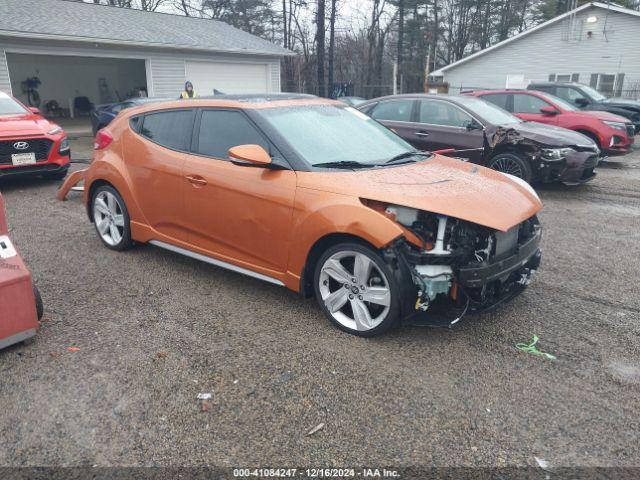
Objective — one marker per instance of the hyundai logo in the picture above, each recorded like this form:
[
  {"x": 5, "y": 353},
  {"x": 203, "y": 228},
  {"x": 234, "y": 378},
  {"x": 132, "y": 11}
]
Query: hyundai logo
[{"x": 21, "y": 145}]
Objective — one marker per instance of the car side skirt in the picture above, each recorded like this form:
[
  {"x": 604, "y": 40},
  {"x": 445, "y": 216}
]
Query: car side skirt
[{"x": 218, "y": 263}]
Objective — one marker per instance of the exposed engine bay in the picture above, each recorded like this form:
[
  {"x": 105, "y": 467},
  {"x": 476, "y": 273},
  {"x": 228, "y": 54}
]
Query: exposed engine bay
[{"x": 458, "y": 263}]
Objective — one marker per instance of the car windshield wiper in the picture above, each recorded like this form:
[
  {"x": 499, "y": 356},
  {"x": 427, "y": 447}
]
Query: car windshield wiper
[
  {"x": 344, "y": 164},
  {"x": 406, "y": 156}
]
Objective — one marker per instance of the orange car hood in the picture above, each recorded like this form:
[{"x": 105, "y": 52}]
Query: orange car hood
[{"x": 439, "y": 185}]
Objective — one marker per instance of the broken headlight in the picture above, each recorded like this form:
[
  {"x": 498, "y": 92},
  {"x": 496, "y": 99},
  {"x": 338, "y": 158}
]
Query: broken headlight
[{"x": 554, "y": 154}]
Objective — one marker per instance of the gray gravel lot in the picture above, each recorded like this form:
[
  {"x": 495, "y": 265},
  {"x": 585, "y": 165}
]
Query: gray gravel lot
[{"x": 155, "y": 329}]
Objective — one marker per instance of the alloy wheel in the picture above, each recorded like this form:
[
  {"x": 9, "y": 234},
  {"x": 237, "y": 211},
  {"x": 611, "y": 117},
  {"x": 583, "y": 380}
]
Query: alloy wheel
[
  {"x": 108, "y": 217},
  {"x": 508, "y": 165},
  {"x": 354, "y": 290}
]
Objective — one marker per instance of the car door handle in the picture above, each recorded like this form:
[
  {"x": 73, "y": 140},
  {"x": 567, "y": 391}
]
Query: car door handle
[
  {"x": 422, "y": 134},
  {"x": 196, "y": 180}
]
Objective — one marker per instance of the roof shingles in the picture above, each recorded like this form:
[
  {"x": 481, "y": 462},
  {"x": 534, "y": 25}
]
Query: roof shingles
[{"x": 64, "y": 18}]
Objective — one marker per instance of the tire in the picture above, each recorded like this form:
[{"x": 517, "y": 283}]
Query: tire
[
  {"x": 513, "y": 164},
  {"x": 349, "y": 311},
  {"x": 39, "y": 304},
  {"x": 111, "y": 218},
  {"x": 58, "y": 175}
]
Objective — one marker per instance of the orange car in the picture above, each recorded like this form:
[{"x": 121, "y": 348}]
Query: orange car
[{"x": 315, "y": 196}]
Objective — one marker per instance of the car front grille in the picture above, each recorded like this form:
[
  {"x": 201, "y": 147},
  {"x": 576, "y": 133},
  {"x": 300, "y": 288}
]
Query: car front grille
[
  {"x": 40, "y": 146},
  {"x": 631, "y": 130}
]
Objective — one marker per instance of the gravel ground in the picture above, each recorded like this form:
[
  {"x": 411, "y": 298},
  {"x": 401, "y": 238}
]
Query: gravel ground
[{"x": 155, "y": 329}]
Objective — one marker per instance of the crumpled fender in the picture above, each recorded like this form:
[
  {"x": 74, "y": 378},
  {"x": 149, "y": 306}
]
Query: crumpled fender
[
  {"x": 318, "y": 214},
  {"x": 71, "y": 181}
]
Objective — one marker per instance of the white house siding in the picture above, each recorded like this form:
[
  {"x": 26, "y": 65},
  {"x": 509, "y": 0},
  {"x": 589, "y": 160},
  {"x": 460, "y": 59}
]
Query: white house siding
[
  {"x": 555, "y": 50},
  {"x": 5, "y": 83},
  {"x": 166, "y": 68}
]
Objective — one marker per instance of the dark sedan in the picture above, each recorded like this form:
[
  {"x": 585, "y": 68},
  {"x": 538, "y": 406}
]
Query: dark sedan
[
  {"x": 102, "y": 115},
  {"x": 472, "y": 129},
  {"x": 587, "y": 98}
]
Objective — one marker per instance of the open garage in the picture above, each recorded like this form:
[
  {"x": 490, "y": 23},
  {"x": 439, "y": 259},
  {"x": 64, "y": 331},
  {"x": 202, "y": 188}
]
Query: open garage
[
  {"x": 103, "y": 54},
  {"x": 68, "y": 83}
]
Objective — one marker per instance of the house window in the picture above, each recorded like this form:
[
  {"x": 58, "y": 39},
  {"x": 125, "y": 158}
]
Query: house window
[
  {"x": 607, "y": 83},
  {"x": 564, "y": 77}
]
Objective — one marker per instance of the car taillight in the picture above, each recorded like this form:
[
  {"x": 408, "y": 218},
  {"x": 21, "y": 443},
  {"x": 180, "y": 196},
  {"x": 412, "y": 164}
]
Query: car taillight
[{"x": 103, "y": 140}]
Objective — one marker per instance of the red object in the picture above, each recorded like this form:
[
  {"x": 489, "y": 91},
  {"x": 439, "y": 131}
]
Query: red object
[
  {"x": 103, "y": 140},
  {"x": 444, "y": 151},
  {"x": 18, "y": 316},
  {"x": 548, "y": 109},
  {"x": 29, "y": 143}
]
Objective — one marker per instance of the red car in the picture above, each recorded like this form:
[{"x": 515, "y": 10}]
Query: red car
[
  {"x": 613, "y": 134},
  {"x": 29, "y": 143}
]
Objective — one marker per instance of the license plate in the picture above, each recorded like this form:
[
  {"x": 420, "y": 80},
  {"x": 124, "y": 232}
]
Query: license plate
[
  {"x": 23, "y": 158},
  {"x": 6, "y": 248}
]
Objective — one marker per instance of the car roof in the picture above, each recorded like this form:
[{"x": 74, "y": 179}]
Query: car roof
[
  {"x": 550, "y": 84},
  {"x": 241, "y": 102},
  {"x": 143, "y": 100},
  {"x": 502, "y": 91}
]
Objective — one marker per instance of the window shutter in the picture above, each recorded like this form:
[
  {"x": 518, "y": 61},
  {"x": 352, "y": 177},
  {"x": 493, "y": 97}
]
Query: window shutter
[
  {"x": 575, "y": 77},
  {"x": 593, "y": 83},
  {"x": 552, "y": 77},
  {"x": 619, "y": 84}
]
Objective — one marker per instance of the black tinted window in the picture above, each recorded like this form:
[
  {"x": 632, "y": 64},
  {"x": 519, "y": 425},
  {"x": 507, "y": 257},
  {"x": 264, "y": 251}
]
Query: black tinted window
[
  {"x": 544, "y": 88},
  {"x": 523, "y": 103},
  {"x": 437, "y": 112},
  {"x": 171, "y": 129},
  {"x": 498, "y": 99},
  {"x": 569, "y": 94},
  {"x": 396, "y": 110},
  {"x": 222, "y": 129},
  {"x": 134, "y": 122}
]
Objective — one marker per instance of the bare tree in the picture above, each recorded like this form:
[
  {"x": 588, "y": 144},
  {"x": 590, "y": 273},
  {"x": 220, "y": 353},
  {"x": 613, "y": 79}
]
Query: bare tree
[
  {"x": 332, "y": 45},
  {"x": 320, "y": 39}
]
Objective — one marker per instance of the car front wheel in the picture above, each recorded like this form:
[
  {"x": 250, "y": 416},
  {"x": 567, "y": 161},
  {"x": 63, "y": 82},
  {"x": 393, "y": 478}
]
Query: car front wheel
[
  {"x": 513, "y": 164},
  {"x": 111, "y": 218},
  {"x": 356, "y": 290}
]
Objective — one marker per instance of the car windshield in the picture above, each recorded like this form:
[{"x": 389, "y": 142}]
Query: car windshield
[
  {"x": 8, "y": 106},
  {"x": 327, "y": 134},
  {"x": 559, "y": 101},
  {"x": 488, "y": 111},
  {"x": 593, "y": 93}
]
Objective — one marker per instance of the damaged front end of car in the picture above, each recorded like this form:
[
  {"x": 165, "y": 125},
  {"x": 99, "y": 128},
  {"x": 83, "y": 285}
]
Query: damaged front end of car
[
  {"x": 456, "y": 267},
  {"x": 554, "y": 154}
]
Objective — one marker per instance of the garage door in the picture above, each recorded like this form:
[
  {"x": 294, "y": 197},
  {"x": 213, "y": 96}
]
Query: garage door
[{"x": 228, "y": 77}]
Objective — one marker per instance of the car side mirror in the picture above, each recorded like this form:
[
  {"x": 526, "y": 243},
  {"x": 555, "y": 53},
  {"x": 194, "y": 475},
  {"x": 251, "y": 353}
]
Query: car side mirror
[
  {"x": 35, "y": 110},
  {"x": 473, "y": 125},
  {"x": 582, "y": 102},
  {"x": 548, "y": 110},
  {"x": 249, "y": 156}
]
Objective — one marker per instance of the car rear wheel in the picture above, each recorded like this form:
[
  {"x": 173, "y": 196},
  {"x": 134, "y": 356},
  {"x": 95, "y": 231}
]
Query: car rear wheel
[
  {"x": 356, "y": 290},
  {"x": 513, "y": 164},
  {"x": 111, "y": 218}
]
